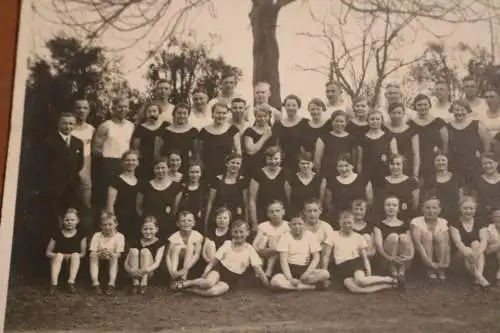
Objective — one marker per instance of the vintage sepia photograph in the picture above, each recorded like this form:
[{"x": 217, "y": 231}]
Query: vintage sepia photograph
[{"x": 254, "y": 166}]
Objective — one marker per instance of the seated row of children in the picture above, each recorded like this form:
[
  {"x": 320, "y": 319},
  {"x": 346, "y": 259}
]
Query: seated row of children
[{"x": 302, "y": 254}]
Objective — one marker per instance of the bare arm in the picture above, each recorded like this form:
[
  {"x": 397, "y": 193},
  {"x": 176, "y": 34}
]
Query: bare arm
[
  {"x": 326, "y": 252},
  {"x": 245, "y": 203},
  {"x": 110, "y": 203},
  {"x": 288, "y": 191},
  {"x": 139, "y": 204},
  {"x": 366, "y": 262},
  {"x": 316, "y": 257},
  {"x": 195, "y": 257},
  {"x": 485, "y": 136},
  {"x": 457, "y": 239},
  {"x": 444, "y": 138},
  {"x": 483, "y": 240},
  {"x": 379, "y": 244},
  {"x": 284, "y": 265},
  {"x": 237, "y": 143},
  {"x": 251, "y": 147},
  {"x": 83, "y": 247},
  {"x": 393, "y": 146},
  {"x": 177, "y": 203},
  {"x": 360, "y": 160},
  {"x": 49, "y": 253},
  {"x": 415, "y": 147},
  {"x": 415, "y": 198},
  {"x": 252, "y": 201},
  {"x": 210, "y": 203},
  {"x": 99, "y": 138},
  {"x": 318, "y": 154},
  {"x": 369, "y": 193},
  {"x": 322, "y": 191}
]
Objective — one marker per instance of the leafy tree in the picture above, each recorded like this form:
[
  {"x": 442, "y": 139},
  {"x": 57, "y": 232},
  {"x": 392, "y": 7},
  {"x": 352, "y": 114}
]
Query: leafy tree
[{"x": 188, "y": 65}]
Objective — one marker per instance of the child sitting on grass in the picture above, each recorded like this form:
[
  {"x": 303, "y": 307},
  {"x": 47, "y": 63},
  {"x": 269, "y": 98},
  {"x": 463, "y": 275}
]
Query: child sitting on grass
[
  {"x": 228, "y": 266},
  {"x": 299, "y": 253},
  {"x": 352, "y": 264},
  {"x": 66, "y": 245},
  {"x": 269, "y": 234},
  {"x": 218, "y": 236},
  {"x": 106, "y": 245},
  {"x": 145, "y": 256},
  {"x": 184, "y": 249},
  {"x": 362, "y": 227}
]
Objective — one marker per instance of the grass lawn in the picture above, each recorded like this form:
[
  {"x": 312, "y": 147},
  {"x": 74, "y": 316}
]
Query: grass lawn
[{"x": 453, "y": 306}]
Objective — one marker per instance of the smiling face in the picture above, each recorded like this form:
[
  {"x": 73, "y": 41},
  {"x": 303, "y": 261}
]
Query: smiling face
[
  {"x": 149, "y": 230},
  {"x": 181, "y": 116},
  {"x": 160, "y": 170},
  {"x": 130, "y": 162},
  {"x": 121, "y": 109},
  {"x": 441, "y": 163},
  {"x": 459, "y": 112},
  {"x": 261, "y": 118},
  {"x": 375, "y": 120},
  {"x": 194, "y": 174},
  {"x": 108, "y": 226},
  {"x": 344, "y": 168},
  {"x": 234, "y": 165},
  {"x": 174, "y": 162},
  {"x": 220, "y": 114},
  {"x": 359, "y": 211},
  {"x": 274, "y": 160},
  {"x": 239, "y": 233},
  {"x": 291, "y": 107},
  {"x": 200, "y": 100},
  {"x": 360, "y": 109},
  {"x": 489, "y": 165},
  {"x": 297, "y": 226},
  {"x": 346, "y": 223},
  {"x": 67, "y": 124},
  {"x": 186, "y": 222},
  {"x": 396, "y": 166},
  {"x": 312, "y": 212},
  {"x": 468, "y": 209},
  {"x": 238, "y": 109}
]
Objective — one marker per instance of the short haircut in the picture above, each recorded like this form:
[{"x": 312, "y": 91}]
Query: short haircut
[
  {"x": 312, "y": 201},
  {"x": 338, "y": 113},
  {"x": 394, "y": 106},
  {"x": 106, "y": 216},
  {"x": 293, "y": 97},
  {"x": 130, "y": 152},
  {"x": 318, "y": 102},
  {"x": 200, "y": 91},
  {"x": 150, "y": 219},
  {"x": 238, "y": 100},
  {"x": 460, "y": 102},
  {"x": 276, "y": 202},
  {"x": 490, "y": 155},
  {"x": 305, "y": 156},
  {"x": 222, "y": 210},
  {"x": 419, "y": 98},
  {"x": 72, "y": 210},
  {"x": 393, "y": 157},
  {"x": 66, "y": 115},
  {"x": 271, "y": 151},
  {"x": 180, "y": 106},
  {"x": 346, "y": 157},
  {"x": 345, "y": 214},
  {"x": 185, "y": 213},
  {"x": 239, "y": 224},
  {"x": 359, "y": 202},
  {"x": 219, "y": 104}
]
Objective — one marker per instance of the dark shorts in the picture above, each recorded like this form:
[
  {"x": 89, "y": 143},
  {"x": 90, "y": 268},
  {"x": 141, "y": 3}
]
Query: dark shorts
[
  {"x": 347, "y": 269},
  {"x": 226, "y": 276},
  {"x": 295, "y": 270}
]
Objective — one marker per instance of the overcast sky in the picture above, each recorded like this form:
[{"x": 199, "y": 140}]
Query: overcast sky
[{"x": 235, "y": 44}]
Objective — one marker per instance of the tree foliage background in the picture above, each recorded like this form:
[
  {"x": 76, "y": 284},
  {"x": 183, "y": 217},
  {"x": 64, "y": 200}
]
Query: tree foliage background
[{"x": 189, "y": 64}]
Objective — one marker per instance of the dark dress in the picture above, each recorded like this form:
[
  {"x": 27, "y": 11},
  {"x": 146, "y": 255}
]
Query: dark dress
[
  {"x": 153, "y": 248},
  {"x": 301, "y": 192},
  {"x": 334, "y": 147},
  {"x": 447, "y": 193},
  {"x": 386, "y": 229},
  {"x": 184, "y": 143},
  {"x": 229, "y": 196},
  {"x": 257, "y": 160},
  {"x": 488, "y": 197},
  {"x": 67, "y": 245},
  {"x": 468, "y": 237},
  {"x": 403, "y": 191},
  {"x": 147, "y": 141},
  {"x": 358, "y": 131},
  {"x": 430, "y": 143},
  {"x": 342, "y": 195},
  {"x": 129, "y": 223},
  {"x": 405, "y": 147},
  {"x": 290, "y": 142},
  {"x": 215, "y": 149},
  {"x": 161, "y": 205},
  {"x": 270, "y": 190},
  {"x": 376, "y": 153},
  {"x": 311, "y": 135},
  {"x": 465, "y": 148},
  {"x": 367, "y": 229},
  {"x": 194, "y": 201}
]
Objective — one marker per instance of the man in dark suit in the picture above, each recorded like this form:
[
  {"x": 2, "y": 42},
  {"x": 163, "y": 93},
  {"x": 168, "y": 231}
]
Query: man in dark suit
[{"x": 62, "y": 160}]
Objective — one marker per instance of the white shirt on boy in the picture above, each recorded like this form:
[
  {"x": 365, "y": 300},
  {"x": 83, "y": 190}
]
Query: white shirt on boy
[
  {"x": 346, "y": 248},
  {"x": 194, "y": 238},
  {"x": 114, "y": 243},
  {"x": 323, "y": 232},
  {"x": 299, "y": 250},
  {"x": 237, "y": 261}
]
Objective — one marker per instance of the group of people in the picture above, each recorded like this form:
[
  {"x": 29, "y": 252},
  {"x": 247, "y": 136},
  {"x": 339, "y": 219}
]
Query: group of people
[{"x": 207, "y": 190}]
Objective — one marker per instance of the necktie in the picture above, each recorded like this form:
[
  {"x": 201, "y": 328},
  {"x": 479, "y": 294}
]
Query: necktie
[{"x": 68, "y": 140}]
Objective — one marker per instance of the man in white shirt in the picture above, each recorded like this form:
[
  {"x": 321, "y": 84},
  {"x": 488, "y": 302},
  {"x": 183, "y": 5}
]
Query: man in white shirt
[
  {"x": 227, "y": 89},
  {"x": 478, "y": 105},
  {"x": 201, "y": 114},
  {"x": 262, "y": 93},
  {"x": 335, "y": 100},
  {"x": 441, "y": 101}
]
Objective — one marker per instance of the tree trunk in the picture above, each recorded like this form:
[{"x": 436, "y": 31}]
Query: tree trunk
[{"x": 263, "y": 19}]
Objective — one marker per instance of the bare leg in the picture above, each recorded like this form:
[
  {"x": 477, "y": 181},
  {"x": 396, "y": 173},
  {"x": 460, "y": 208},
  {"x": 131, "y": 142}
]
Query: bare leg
[
  {"x": 361, "y": 280},
  {"x": 146, "y": 261},
  {"x": 279, "y": 281},
  {"x": 370, "y": 251},
  {"x": 391, "y": 245},
  {"x": 74, "y": 266},
  {"x": 94, "y": 269},
  {"x": 271, "y": 262},
  {"x": 442, "y": 246},
  {"x": 203, "y": 283},
  {"x": 133, "y": 262},
  {"x": 317, "y": 276},
  {"x": 175, "y": 258},
  {"x": 113, "y": 270},
  {"x": 479, "y": 266},
  {"x": 218, "y": 289},
  {"x": 55, "y": 268},
  {"x": 405, "y": 249},
  {"x": 354, "y": 288}
]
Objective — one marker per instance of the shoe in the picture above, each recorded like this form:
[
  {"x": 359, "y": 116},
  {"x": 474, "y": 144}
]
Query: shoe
[
  {"x": 442, "y": 275},
  {"x": 71, "y": 288},
  {"x": 142, "y": 290},
  {"x": 401, "y": 281},
  {"x": 97, "y": 289},
  {"x": 431, "y": 275},
  {"x": 110, "y": 290},
  {"x": 52, "y": 290},
  {"x": 134, "y": 290}
]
